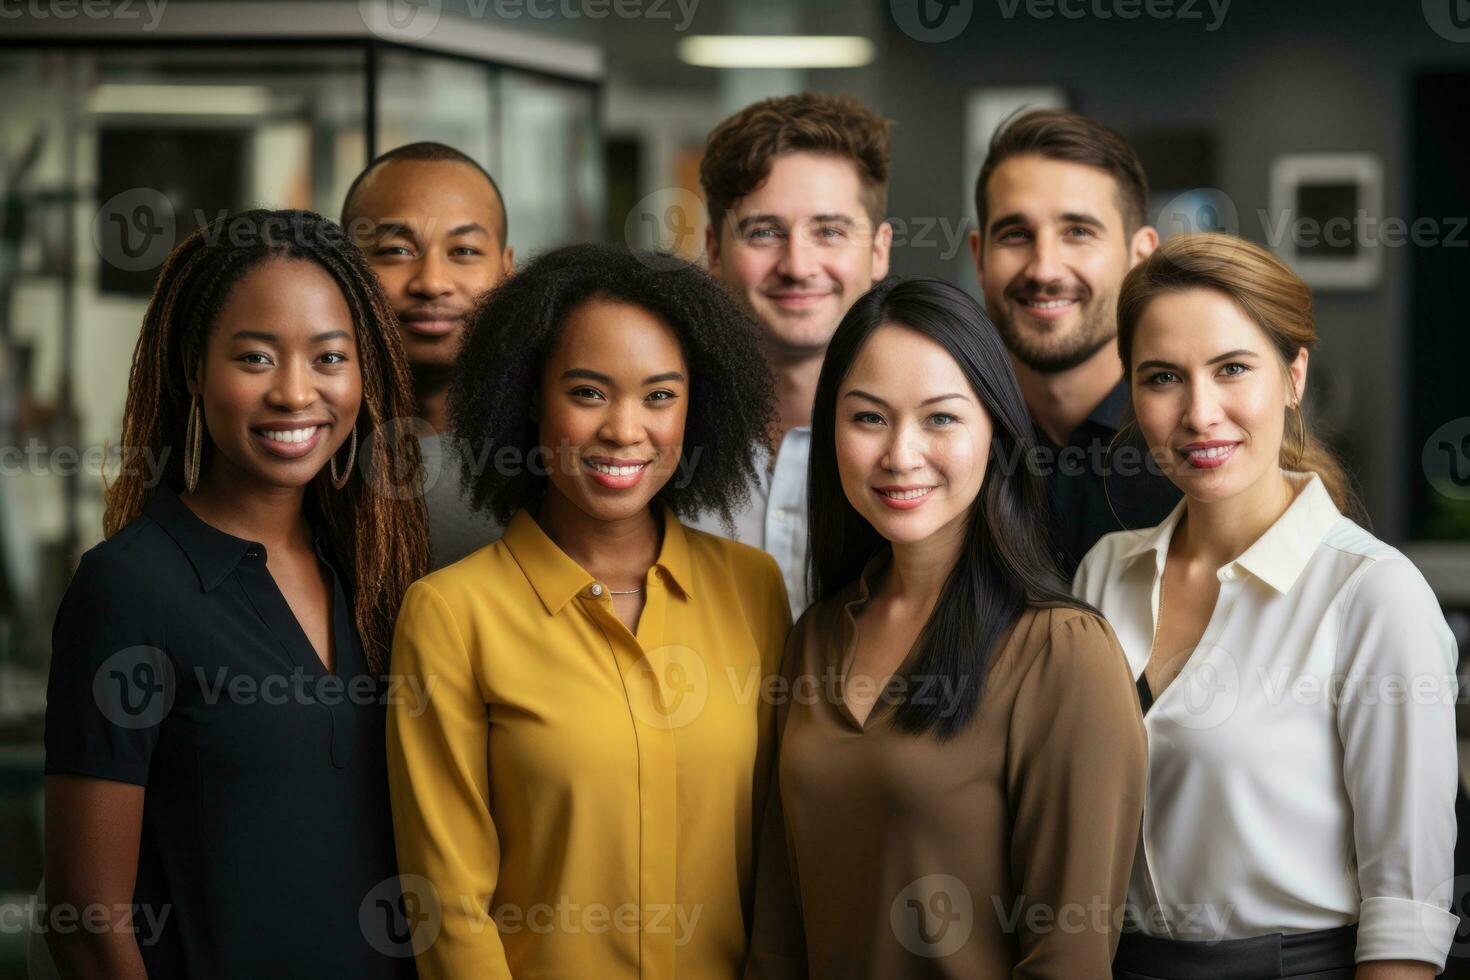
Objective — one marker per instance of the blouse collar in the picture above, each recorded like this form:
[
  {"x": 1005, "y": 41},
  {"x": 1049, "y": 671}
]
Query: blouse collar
[
  {"x": 557, "y": 578},
  {"x": 213, "y": 553},
  {"x": 1278, "y": 556}
]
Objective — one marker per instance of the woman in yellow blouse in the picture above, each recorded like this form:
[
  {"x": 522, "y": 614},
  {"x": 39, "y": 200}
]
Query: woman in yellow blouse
[{"x": 575, "y": 794}]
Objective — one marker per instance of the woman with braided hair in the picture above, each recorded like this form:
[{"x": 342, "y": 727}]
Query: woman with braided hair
[{"x": 215, "y": 774}]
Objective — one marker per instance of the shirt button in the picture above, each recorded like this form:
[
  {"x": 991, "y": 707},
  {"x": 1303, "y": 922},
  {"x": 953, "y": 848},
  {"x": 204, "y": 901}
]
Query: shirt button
[
  {"x": 596, "y": 589},
  {"x": 1227, "y": 574}
]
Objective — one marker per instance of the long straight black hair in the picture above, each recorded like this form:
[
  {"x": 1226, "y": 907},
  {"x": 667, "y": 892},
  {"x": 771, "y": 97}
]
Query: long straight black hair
[{"x": 1005, "y": 562}]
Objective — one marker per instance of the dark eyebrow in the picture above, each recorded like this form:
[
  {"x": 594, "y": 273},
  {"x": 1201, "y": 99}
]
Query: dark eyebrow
[
  {"x": 830, "y": 219},
  {"x": 1007, "y": 221},
  {"x": 587, "y": 374},
  {"x": 927, "y": 401},
  {"x": 1068, "y": 217},
  {"x": 270, "y": 338},
  {"x": 468, "y": 229},
  {"x": 1228, "y": 355},
  {"x": 1231, "y": 354},
  {"x": 591, "y": 375},
  {"x": 1082, "y": 218},
  {"x": 395, "y": 229}
]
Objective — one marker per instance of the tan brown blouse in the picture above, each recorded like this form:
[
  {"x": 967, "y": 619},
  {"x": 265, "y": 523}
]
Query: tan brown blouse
[{"x": 1002, "y": 852}]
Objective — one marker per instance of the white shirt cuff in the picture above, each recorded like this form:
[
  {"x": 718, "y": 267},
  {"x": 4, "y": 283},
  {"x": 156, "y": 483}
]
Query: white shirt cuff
[{"x": 1403, "y": 929}]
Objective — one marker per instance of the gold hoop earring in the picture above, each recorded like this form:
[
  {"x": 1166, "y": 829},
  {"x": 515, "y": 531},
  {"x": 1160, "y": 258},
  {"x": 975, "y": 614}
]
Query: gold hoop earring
[
  {"x": 193, "y": 444},
  {"x": 340, "y": 480},
  {"x": 1301, "y": 441}
]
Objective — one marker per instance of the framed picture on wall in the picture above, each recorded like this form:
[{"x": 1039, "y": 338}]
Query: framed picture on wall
[{"x": 1325, "y": 215}]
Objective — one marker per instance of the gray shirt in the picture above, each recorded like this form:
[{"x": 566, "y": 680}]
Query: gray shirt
[{"x": 455, "y": 530}]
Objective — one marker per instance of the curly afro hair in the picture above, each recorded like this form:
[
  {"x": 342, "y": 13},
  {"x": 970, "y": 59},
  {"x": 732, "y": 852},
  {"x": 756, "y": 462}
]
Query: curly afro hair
[{"x": 508, "y": 338}]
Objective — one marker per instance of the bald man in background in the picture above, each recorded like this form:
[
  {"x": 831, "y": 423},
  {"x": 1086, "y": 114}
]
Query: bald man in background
[{"x": 433, "y": 226}]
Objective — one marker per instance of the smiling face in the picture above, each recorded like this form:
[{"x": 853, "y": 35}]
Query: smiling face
[
  {"x": 800, "y": 249},
  {"x": 911, "y": 436},
  {"x": 613, "y": 400},
  {"x": 1052, "y": 258},
  {"x": 431, "y": 231},
  {"x": 280, "y": 384},
  {"x": 1210, "y": 393}
]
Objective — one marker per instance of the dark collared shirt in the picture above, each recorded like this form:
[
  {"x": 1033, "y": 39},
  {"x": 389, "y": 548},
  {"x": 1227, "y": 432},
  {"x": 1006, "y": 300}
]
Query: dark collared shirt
[
  {"x": 1094, "y": 492},
  {"x": 267, "y": 845}
]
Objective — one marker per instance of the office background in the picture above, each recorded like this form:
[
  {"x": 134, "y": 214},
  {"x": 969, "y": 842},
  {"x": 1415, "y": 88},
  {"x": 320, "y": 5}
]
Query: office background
[{"x": 1335, "y": 131}]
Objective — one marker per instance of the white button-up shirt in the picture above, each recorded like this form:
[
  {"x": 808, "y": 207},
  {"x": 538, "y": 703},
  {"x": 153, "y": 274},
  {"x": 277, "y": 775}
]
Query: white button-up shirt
[
  {"x": 1302, "y": 766},
  {"x": 775, "y": 518}
]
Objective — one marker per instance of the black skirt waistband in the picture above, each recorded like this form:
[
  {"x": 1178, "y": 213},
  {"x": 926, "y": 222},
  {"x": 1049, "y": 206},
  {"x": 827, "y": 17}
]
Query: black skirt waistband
[{"x": 1321, "y": 955}]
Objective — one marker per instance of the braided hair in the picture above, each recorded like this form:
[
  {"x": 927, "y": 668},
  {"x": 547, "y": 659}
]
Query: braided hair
[{"x": 377, "y": 531}]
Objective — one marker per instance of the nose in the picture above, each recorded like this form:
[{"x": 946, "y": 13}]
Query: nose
[
  {"x": 291, "y": 388},
  {"x": 620, "y": 425},
  {"x": 905, "y": 451},
  {"x": 798, "y": 258},
  {"x": 1202, "y": 409},
  {"x": 1046, "y": 260},
  {"x": 430, "y": 277}
]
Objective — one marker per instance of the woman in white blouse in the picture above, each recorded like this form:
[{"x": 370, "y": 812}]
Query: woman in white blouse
[{"x": 1297, "y": 674}]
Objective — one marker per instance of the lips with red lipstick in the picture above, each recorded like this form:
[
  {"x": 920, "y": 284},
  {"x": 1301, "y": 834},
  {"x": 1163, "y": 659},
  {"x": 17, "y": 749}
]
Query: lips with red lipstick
[
  {"x": 1208, "y": 455},
  {"x": 907, "y": 496},
  {"x": 616, "y": 473},
  {"x": 432, "y": 321},
  {"x": 289, "y": 440}
]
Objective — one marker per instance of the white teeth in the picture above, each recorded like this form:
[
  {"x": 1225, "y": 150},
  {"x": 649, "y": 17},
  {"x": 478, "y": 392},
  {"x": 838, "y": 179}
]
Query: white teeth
[
  {"x": 905, "y": 494},
  {"x": 289, "y": 435},
  {"x": 1050, "y": 304},
  {"x": 616, "y": 470},
  {"x": 1210, "y": 453}
]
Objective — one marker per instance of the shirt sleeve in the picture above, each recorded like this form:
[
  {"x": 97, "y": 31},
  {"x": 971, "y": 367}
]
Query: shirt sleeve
[
  {"x": 1078, "y": 765},
  {"x": 438, "y": 777},
  {"x": 112, "y": 682},
  {"x": 778, "y": 940},
  {"x": 1396, "y": 719}
]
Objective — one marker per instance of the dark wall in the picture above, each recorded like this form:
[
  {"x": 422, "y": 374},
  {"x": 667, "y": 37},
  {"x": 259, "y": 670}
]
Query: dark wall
[{"x": 1275, "y": 77}]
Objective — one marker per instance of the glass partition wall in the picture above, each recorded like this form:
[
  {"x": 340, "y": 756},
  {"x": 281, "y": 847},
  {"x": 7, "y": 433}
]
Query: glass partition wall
[{"x": 111, "y": 154}]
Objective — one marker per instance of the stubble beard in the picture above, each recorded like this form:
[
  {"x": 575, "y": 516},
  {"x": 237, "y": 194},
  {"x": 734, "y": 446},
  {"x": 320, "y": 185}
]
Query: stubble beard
[{"x": 1048, "y": 354}]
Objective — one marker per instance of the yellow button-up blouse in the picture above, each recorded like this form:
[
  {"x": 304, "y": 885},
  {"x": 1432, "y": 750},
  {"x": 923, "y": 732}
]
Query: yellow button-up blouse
[{"x": 575, "y": 800}]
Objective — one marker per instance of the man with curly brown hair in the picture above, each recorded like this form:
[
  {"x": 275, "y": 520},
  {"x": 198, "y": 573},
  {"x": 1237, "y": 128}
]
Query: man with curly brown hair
[{"x": 796, "y": 188}]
